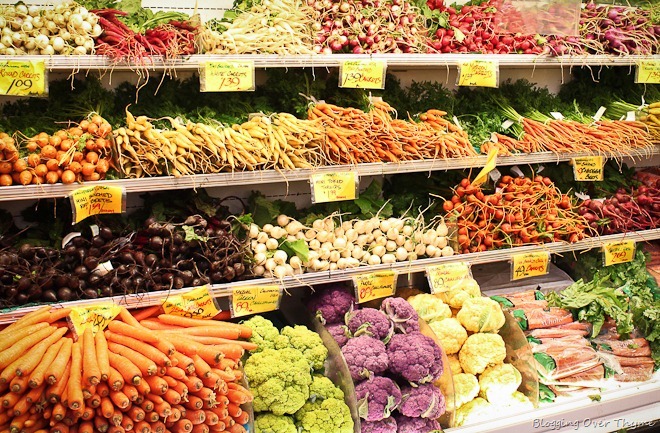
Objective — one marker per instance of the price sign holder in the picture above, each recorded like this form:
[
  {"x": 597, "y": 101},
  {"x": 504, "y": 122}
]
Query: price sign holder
[
  {"x": 375, "y": 285},
  {"x": 479, "y": 73},
  {"x": 362, "y": 74},
  {"x": 648, "y": 72},
  {"x": 443, "y": 278},
  {"x": 334, "y": 186},
  {"x": 97, "y": 200},
  {"x": 95, "y": 317},
  {"x": 529, "y": 265},
  {"x": 23, "y": 78},
  {"x": 618, "y": 252},
  {"x": 196, "y": 304},
  {"x": 255, "y": 300},
  {"x": 227, "y": 76},
  {"x": 589, "y": 168}
]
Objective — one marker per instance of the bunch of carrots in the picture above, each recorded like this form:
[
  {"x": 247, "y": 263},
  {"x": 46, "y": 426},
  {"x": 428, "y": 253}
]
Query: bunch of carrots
[
  {"x": 163, "y": 374},
  {"x": 354, "y": 136}
]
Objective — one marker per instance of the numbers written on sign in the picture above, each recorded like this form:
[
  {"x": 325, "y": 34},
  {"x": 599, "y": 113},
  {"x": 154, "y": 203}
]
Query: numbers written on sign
[
  {"x": 228, "y": 76},
  {"x": 374, "y": 286},
  {"x": 95, "y": 317},
  {"x": 337, "y": 186},
  {"x": 648, "y": 72},
  {"x": 197, "y": 304},
  {"x": 588, "y": 168},
  {"x": 22, "y": 78},
  {"x": 97, "y": 200},
  {"x": 362, "y": 74},
  {"x": 253, "y": 300},
  {"x": 618, "y": 252},
  {"x": 481, "y": 73},
  {"x": 529, "y": 265}
]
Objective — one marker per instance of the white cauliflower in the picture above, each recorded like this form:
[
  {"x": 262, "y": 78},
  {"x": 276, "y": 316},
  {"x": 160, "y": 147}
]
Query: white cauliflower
[
  {"x": 451, "y": 334},
  {"x": 481, "y": 351},
  {"x": 481, "y": 315},
  {"x": 454, "y": 364},
  {"x": 478, "y": 410},
  {"x": 457, "y": 295},
  {"x": 516, "y": 403},
  {"x": 466, "y": 388},
  {"x": 499, "y": 382},
  {"x": 429, "y": 307}
]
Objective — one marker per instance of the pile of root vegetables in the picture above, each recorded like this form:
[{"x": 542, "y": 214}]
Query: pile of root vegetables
[
  {"x": 183, "y": 376},
  {"x": 522, "y": 211}
]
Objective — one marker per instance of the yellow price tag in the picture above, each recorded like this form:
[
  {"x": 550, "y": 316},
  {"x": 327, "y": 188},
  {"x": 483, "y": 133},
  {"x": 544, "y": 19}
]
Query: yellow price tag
[
  {"x": 443, "y": 278},
  {"x": 362, "y": 74},
  {"x": 481, "y": 73},
  {"x": 618, "y": 252},
  {"x": 374, "y": 286},
  {"x": 23, "y": 78},
  {"x": 336, "y": 186},
  {"x": 648, "y": 72},
  {"x": 196, "y": 304},
  {"x": 227, "y": 76},
  {"x": 529, "y": 265},
  {"x": 95, "y": 317},
  {"x": 491, "y": 162},
  {"x": 254, "y": 300},
  {"x": 588, "y": 168},
  {"x": 97, "y": 200}
]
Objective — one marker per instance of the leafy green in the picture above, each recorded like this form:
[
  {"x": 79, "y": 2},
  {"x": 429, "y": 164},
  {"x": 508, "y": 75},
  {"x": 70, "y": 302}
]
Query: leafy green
[
  {"x": 296, "y": 248},
  {"x": 190, "y": 234},
  {"x": 546, "y": 395},
  {"x": 521, "y": 318},
  {"x": 545, "y": 361}
]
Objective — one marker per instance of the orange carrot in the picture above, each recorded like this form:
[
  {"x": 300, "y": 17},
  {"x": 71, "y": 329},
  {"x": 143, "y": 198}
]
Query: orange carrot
[
  {"x": 136, "y": 413},
  {"x": 157, "y": 384},
  {"x": 147, "y": 406},
  {"x": 18, "y": 384},
  {"x": 147, "y": 366},
  {"x": 184, "y": 425},
  {"x": 55, "y": 391},
  {"x": 88, "y": 413},
  {"x": 94, "y": 401},
  {"x": 31, "y": 358},
  {"x": 131, "y": 392},
  {"x": 227, "y": 376},
  {"x": 208, "y": 331},
  {"x": 129, "y": 371},
  {"x": 181, "y": 344},
  {"x": 107, "y": 407},
  {"x": 158, "y": 427},
  {"x": 184, "y": 361},
  {"x": 38, "y": 374},
  {"x": 212, "y": 380},
  {"x": 147, "y": 312},
  {"x": 101, "y": 424},
  {"x": 101, "y": 346},
  {"x": 74, "y": 387},
  {"x": 202, "y": 368},
  {"x": 163, "y": 409},
  {"x": 217, "y": 340},
  {"x": 86, "y": 427},
  {"x": 115, "y": 380},
  {"x": 59, "y": 427},
  {"x": 238, "y": 427},
  {"x": 91, "y": 371},
  {"x": 119, "y": 399},
  {"x": 200, "y": 428},
  {"x": 116, "y": 429},
  {"x": 175, "y": 415},
  {"x": 156, "y": 325},
  {"x": 127, "y": 317},
  {"x": 56, "y": 314},
  {"x": 172, "y": 397},
  {"x": 127, "y": 423},
  {"x": 54, "y": 371},
  {"x": 143, "y": 388},
  {"x": 196, "y": 416},
  {"x": 223, "y": 315},
  {"x": 37, "y": 316},
  {"x": 59, "y": 411},
  {"x": 141, "y": 347},
  {"x": 243, "y": 418},
  {"x": 211, "y": 417},
  {"x": 10, "y": 354},
  {"x": 194, "y": 403},
  {"x": 142, "y": 427},
  {"x": 233, "y": 351},
  {"x": 234, "y": 410},
  {"x": 193, "y": 383},
  {"x": 226, "y": 363},
  {"x": 139, "y": 332},
  {"x": 170, "y": 319},
  {"x": 175, "y": 372}
]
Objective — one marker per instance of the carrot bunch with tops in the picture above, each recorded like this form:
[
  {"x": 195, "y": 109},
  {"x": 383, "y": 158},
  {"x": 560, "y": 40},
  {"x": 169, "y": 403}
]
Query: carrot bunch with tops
[{"x": 166, "y": 374}]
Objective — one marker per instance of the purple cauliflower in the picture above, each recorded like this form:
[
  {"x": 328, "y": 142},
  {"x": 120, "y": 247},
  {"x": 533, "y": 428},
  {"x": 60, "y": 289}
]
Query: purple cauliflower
[
  {"x": 406, "y": 424},
  {"x": 422, "y": 401},
  {"x": 339, "y": 332},
  {"x": 387, "y": 425},
  {"x": 365, "y": 356},
  {"x": 331, "y": 304},
  {"x": 402, "y": 314},
  {"x": 415, "y": 357},
  {"x": 377, "y": 398},
  {"x": 369, "y": 321}
]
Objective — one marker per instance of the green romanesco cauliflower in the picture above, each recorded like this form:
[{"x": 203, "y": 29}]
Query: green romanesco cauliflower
[
  {"x": 306, "y": 341},
  {"x": 451, "y": 334},
  {"x": 264, "y": 333},
  {"x": 279, "y": 380},
  {"x": 270, "y": 423},
  {"x": 322, "y": 388},
  {"x": 331, "y": 415}
]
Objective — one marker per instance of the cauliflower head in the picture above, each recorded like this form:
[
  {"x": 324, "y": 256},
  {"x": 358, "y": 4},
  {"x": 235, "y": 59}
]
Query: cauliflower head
[
  {"x": 330, "y": 304},
  {"x": 481, "y": 351},
  {"x": 324, "y": 416},
  {"x": 387, "y": 425},
  {"x": 369, "y": 321},
  {"x": 466, "y": 388},
  {"x": 366, "y": 356},
  {"x": 499, "y": 382},
  {"x": 481, "y": 315},
  {"x": 322, "y": 388},
  {"x": 457, "y": 295},
  {"x": 377, "y": 398},
  {"x": 401, "y": 313},
  {"x": 454, "y": 363},
  {"x": 516, "y": 403},
  {"x": 475, "y": 411},
  {"x": 415, "y": 357},
  {"x": 451, "y": 334},
  {"x": 264, "y": 333},
  {"x": 308, "y": 342},
  {"x": 271, "y": 423},
  {"x": 429, "y": 307},
  {"x": 279, "y": 380},
  {"x": 424, "y": 401},
  {"x": 339, "y": 333},
  {"x": 406, "y": 424}
]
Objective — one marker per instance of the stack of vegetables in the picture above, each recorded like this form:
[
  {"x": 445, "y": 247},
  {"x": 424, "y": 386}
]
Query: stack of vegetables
[
  {"x": 182, "y": 375},
  {"x": 467, "y": 325},
  {"x": 391, "y": 362},
  {"x": 285, "y": 374}
]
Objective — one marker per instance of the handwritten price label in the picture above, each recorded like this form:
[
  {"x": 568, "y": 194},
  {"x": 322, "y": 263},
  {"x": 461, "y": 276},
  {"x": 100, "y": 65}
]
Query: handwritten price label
[
  {"x": 95, "y": 317},
  {"x": 648, "y": 71},
  {"x": 375, "y": 286},
  {"x": 255, "y": 300},
  {"x": 443, "y": 278},
  {"x": 480, "y": 73},
  {"x": 491, "y": 163},
  {"x": 196, "y": 304},
  {"x": 588, "y": 168},
  {"x": 23, "y": 78},
  {"x": 618, "y": 252},
  {"x": 362, "y": 74},
  {"x": 228, "y": 76},
  {"x": 529, "y": 265},
  {"x": 335, "y": 186},
  {"x": 97, "y": 200}
]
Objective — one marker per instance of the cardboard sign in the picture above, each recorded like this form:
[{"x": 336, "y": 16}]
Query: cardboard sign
[
  {"x": 589, "y": 168},
  {"x": 254, "y": 300},
  {"x": 337, "y": 186},
  {"x": 648, "y": 72},
  {"x": 618, "y": 252},
  {"x": 529, "y": 265},
  {"x": 227, "y": 76},
  {"x": 196, "y": 304},
  {"x": 374, "y": 286},
  {"x": 97, "y": 200},
  {"x": 491, "y": 162},
  {"x": 95, "y": 317},
  {"x": 443, "y": 278},
  {"x": 362, "y": 74},
  {"x": 479, "y": 73},
  {"x": 23, "y": 78}
]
